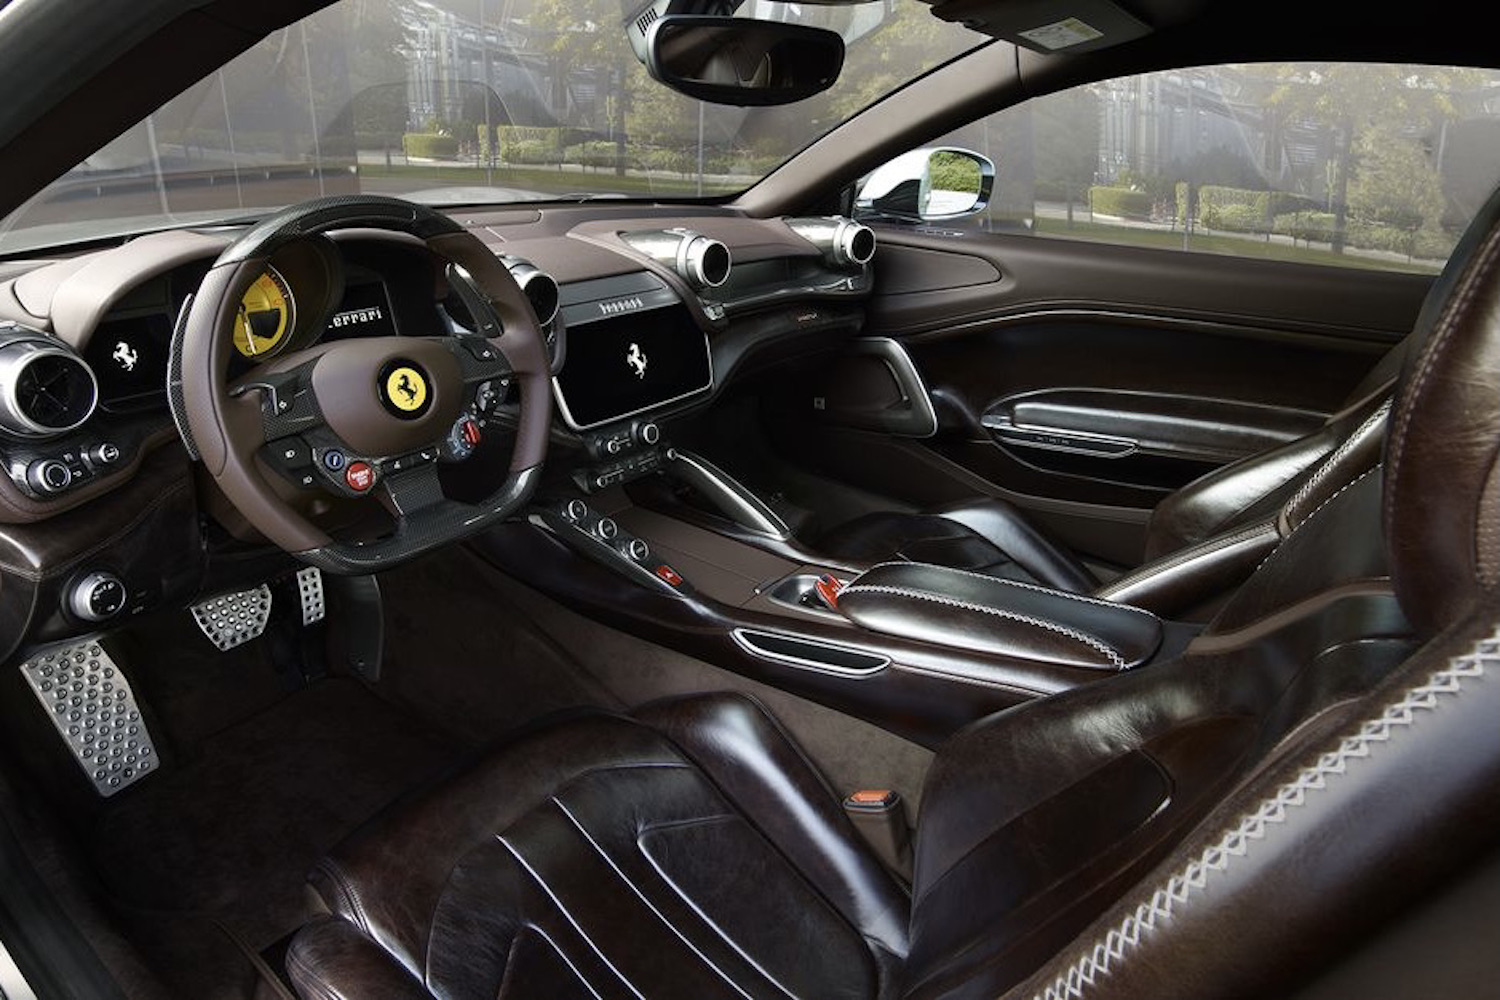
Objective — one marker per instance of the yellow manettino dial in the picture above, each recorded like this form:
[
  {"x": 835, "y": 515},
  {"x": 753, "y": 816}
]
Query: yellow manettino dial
[
  {"x": 265, "y": 317},
  {"x": 406, "y": 389}
]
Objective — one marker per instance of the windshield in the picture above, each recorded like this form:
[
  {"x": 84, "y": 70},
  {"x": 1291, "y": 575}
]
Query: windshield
[{"x": 462, "y": 102}]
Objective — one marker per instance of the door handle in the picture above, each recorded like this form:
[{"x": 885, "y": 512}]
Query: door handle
[{"x": 1050, "y": 439}]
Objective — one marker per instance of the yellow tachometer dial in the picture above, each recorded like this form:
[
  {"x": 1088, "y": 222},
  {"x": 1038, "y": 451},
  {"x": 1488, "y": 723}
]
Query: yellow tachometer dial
[{"x": 265, "y": 317}]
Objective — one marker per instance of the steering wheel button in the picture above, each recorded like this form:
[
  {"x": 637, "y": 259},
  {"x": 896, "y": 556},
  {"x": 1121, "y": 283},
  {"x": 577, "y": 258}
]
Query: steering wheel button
[
  {"x": 359, "y": 476},
  {"x": 293, "y": 453},
  {"x": 471, "y": 433},
  {"x": 480, "y": 348},
  {"x": 334, "y": 460}
]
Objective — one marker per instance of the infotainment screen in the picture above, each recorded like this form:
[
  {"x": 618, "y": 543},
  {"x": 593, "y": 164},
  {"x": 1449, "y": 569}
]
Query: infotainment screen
[
  {"x": 129, "y": 358},
  {"x": 620, "y": 366}
]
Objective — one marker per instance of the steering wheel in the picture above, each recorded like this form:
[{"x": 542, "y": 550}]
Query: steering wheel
[{"x": 367, "y": 415}]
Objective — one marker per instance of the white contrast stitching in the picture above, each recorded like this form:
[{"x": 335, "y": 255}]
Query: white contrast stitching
[
  {"x": 1188, "y": 555},
  {"x": 1318, "y": 510},
  {"x": 1352, "y": 441},
  {"x": 1098, "y": 961},
  {"x": 1464, "y": 292},
  {"x": 1109, "y": 652},
  {"x": 1024, "y": 586}
]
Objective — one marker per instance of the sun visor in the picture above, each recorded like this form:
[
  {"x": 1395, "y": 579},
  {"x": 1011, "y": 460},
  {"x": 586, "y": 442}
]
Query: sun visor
[{"x": 1046, "y": 26}]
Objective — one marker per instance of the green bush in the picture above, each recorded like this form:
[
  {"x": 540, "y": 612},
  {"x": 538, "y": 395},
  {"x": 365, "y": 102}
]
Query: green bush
[
  {"x": 1306, "y": 226},
  {"x": 1242, "y": 210},
  {"x": 1122, "y": 202},
  {"x": 1433, "y": 244},
  {"x": 429, "y": 145},
  {"x": 679, "y": 161},
  {"x": 1235, "y": 218},
  {"x": 529, "y": 152},
  {"x": 1230, "y": 208},
  {"x": 1428, "y": 244},
  {"x": 595, "y": 153},
  {"x": 529, "y": 144}
]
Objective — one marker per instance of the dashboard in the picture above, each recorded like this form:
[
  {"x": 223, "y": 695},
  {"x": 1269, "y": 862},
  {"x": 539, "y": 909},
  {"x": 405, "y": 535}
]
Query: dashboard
[{"x": 647, "y": 314}]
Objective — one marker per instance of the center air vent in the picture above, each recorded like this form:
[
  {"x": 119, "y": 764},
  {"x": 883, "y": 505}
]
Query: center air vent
[
  {"x": 699, "y": 260},
  {"x": 44, "y": 388}
]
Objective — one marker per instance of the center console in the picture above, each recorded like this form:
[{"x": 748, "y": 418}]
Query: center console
[{"x": 921, "y": 650}]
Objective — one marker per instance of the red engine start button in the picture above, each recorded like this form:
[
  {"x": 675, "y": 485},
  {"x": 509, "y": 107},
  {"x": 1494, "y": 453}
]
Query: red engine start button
[{"x": 359, "y": 476}]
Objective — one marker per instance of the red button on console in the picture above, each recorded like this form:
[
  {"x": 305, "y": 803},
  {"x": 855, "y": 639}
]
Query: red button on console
[
  {"x": 668, "y": 574},
  {"x": 359, "y": 476}
]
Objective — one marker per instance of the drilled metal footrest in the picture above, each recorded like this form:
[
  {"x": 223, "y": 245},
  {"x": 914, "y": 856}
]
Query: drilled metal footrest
[
  {"x": 94, "y": 710},
  {"x": 230, "y": 620},
  {"x": 310, "y": 590}
]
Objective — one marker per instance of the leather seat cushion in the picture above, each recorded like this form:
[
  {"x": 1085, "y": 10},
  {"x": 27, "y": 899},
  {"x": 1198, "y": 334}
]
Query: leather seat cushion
[{"x": 595, "y": 854}]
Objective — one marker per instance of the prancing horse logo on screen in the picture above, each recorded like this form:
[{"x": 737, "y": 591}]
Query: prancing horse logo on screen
[
  {"x": 126, "y": 356},
  {"x": 636, "y": 359}
]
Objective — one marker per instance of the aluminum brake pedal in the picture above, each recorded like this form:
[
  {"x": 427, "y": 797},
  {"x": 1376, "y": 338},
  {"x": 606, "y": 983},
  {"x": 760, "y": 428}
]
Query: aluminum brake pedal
[{"x": 231, "y": 620}]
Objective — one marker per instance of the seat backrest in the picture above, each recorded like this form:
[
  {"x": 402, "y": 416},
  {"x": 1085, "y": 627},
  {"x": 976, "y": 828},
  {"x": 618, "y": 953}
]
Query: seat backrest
[
  {"x": 1170, "y": 832},
  {"x": 1330, "y": 843},
  {"x": 1253, "y": 487}
]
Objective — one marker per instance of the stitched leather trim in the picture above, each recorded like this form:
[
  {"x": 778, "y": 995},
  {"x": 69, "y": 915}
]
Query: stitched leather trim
[
  {"x": 1191, "y": 554},
  {"x": 1488, "y": 542},
  {"x": 1038, "y": 588},
  {"x": 1108, "y": 652},
  {"x": 1457, "y": 308},
  {"x": 635, "y": 890},
  {"x": 347, "y": 889},
  {"x": 1099, "y": 960},
  {"x": 567, "y": 915},
  {"x": 1289, "y": 509},
  {"x": 1318, "y": 510}
]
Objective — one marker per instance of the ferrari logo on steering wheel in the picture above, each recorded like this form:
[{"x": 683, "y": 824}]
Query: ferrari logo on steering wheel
[{"x": 404, "y": 389}]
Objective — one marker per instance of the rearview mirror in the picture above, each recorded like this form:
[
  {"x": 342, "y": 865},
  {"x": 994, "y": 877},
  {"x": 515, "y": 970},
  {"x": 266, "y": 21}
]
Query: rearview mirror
[
  {"x": 734, "y": 60},
  {"x": 926, "y": 185}
]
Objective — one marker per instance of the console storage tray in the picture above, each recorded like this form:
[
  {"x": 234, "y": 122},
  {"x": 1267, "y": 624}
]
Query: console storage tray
[{"x": 973, "y": 611}]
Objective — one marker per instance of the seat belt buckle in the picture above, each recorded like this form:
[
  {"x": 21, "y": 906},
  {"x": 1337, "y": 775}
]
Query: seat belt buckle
[{"x": 879, "y": 814}]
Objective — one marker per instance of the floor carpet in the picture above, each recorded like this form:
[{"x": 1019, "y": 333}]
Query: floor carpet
[{"x": 228, "y": 836}]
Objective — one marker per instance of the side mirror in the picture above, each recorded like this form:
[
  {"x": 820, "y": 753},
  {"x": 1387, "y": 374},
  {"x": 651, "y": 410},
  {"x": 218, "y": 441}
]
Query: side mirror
[
  {"x": 927, "y": 185},
  {"x": 735, "y": 60}
]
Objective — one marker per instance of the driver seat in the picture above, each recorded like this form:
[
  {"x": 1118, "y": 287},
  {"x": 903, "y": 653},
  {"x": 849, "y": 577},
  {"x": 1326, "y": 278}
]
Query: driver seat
[{"x": 1226, "y": 823}]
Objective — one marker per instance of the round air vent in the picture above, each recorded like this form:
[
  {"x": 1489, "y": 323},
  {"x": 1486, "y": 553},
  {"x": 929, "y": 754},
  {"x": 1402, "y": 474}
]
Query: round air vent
[
  {"x": 44, "y": 389},
  {"x": 701, "y": 261},
  {"x": 539, "y": 287},
  {"x": 843, "y": 242},
  {"x": 706, "y": 262}
]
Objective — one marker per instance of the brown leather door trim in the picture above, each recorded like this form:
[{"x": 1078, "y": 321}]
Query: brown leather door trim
[{"x": 1049, "y": 274}]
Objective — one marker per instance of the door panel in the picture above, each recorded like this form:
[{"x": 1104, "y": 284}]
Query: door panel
[
  {"x": 1160, "y": 365},
  {"x": 917, "y": 292},
  {"x": 1146, "y": 438}
]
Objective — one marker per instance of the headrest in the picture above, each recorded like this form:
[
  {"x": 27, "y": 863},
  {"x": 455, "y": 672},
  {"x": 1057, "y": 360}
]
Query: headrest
[{"x": 1442, "y": 496}]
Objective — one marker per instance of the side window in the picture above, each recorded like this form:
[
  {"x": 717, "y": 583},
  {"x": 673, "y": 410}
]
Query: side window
[{"x": 1351, "y": 165}]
